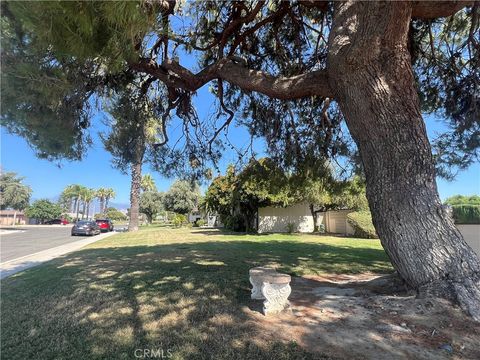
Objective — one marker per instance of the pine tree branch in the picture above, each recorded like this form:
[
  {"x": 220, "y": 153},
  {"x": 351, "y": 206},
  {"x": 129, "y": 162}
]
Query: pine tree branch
[
  {"x": 234, "y": 71},
  {"x": 437, "y": 9}
]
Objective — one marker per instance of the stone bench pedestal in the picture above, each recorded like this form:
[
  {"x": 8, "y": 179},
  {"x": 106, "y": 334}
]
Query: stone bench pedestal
[{"x": 272, "y": 287}]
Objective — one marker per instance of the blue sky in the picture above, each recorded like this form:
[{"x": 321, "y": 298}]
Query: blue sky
[{"x": 48, "y": 179}]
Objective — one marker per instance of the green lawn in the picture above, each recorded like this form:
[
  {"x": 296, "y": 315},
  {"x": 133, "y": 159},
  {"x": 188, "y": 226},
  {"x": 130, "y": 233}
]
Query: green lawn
[{"x": 179, "y": 290}]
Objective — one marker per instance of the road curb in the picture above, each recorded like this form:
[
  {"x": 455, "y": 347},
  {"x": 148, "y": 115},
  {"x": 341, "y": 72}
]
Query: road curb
[{"x": 25, "y": 262}]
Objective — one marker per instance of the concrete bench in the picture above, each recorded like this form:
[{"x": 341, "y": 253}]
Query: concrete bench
[{"x": 271, "y": 286}]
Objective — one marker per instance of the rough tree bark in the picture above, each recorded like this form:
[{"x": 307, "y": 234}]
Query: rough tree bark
[
  {"x": 135, "y": 192},
  {"x": 77, "y": 205},
  {"x": 370, "y": 73},
  {"x": 102, "y": 206}
]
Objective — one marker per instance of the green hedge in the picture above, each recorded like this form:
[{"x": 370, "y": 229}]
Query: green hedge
[
  {"x": 361, "y": 221},
  {"x": 466, "y": 214}
]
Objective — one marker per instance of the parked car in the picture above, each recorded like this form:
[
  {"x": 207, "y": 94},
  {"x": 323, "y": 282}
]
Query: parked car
[
  {"x": 85, "y": 227},
  {"x": 57, "y": 222},
  {"x": 105, "y": 224}
]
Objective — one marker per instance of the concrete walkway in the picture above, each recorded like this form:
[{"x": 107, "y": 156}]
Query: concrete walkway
[{"x": 19, "y": 264}]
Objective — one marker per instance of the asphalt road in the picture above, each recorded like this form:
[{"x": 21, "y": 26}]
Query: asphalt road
[{"x": 30, "y": 240}]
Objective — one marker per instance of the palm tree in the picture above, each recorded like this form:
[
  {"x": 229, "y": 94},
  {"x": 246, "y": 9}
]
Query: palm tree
[
  {"x": 68, "y": 198},
  {"x": 148, "y": 184},
  {"x": 109, "y": 194},
  {"x": 13, "y": 193},
  {"x": 101, "y": 196},
  {"x": 88, "y": 196},
  {"x": 78, "y": 192}
]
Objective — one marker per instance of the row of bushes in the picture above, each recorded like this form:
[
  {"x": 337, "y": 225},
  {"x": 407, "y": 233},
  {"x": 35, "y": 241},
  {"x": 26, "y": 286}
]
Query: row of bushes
[
  {"x": 466, "y": 214},
  {"x": 179, "y": 220}
]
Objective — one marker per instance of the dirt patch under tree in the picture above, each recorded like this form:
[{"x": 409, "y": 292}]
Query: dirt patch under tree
[{"x": 369, "y": 317}]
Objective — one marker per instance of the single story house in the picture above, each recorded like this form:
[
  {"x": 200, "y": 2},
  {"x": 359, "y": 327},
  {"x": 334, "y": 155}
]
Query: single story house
[
  {"x": 7, "y": 217},
  {"x": 276, "y": 219}
]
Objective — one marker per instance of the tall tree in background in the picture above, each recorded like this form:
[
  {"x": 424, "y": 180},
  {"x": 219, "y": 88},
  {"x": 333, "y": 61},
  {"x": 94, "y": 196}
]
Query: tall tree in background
[
  {"x": 104, "y": 195},
  {"x": 182, "y": 197},
  {"x": 77, "y": 191},
  {"x": 13, "y": 193},
  {"x": 298, "y": 74},
  {"x": 66, "y": 199},
  {"x": 88, "y": 196},
  {"x": 101, "y": 194},
  {"x": 135, "y": 120},
  {"x": 109, "y": 194},
  {"x": 151, "y": 203}
]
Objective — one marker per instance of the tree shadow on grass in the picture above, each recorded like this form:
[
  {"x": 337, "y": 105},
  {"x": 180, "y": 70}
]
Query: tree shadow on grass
[{"x": 189, "y": 299}]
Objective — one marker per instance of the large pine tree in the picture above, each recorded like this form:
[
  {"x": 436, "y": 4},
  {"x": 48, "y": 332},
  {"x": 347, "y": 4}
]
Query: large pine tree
[{"x": 297, "y": 71}]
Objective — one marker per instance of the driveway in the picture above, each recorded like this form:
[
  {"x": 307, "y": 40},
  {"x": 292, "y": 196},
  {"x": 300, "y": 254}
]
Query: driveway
[{"x": 29, "y": 240}]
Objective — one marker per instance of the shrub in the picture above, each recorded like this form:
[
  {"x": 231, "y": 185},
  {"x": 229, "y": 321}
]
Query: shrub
[
  {"x": 234, "y": 222},
  {"x": 113, "y": 214},
  {"x": 321, "y": 228},
  {"x": 361, "y": 221},
  {"x": 466, "y": 214},
  {"x": 179, "y": 220},
  {"x": 290, "y": 227},
  {"x": 200, "y": 222}
]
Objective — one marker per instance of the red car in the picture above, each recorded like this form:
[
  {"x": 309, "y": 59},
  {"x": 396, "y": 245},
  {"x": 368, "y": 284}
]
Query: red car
[{"x": 105, "y": 225}]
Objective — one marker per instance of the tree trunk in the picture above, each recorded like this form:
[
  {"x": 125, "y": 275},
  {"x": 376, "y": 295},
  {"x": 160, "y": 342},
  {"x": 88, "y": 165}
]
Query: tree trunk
[
  {"x": 370, "y": 73},
  {"x": 88, "y": 209},
  {"x": 14, "y": 217},
  {"x": 102, "y": 206},
  {"x": 314, "y": 216},
  {"x": 135, "y": 196},
  {"x": 78, "y": 206},
  {"x": 83, "y": 209}
]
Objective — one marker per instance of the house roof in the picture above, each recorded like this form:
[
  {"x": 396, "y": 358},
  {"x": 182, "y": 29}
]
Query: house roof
[{"x": 10, "y": 213}]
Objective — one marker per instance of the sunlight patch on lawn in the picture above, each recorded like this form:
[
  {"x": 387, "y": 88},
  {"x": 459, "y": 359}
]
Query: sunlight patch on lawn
[
  {"x": 167, "y": 279},
  {"x": 183, "y": 288},
  {"x": 209, "y": 262}
]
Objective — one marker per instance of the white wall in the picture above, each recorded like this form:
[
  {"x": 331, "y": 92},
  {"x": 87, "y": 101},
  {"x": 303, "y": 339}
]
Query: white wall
[
  {"x": 335, "y": 221},
  {"x": 471, "y": 234},
  {"x": 275, "y": 219}
]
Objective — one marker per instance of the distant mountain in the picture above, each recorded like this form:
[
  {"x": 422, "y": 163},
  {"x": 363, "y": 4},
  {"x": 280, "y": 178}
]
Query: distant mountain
[{"x": 119, "y": 206}]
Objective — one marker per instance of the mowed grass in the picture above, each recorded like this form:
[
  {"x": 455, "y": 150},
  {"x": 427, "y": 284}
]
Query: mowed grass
[{"x": 177, "y": 292}]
